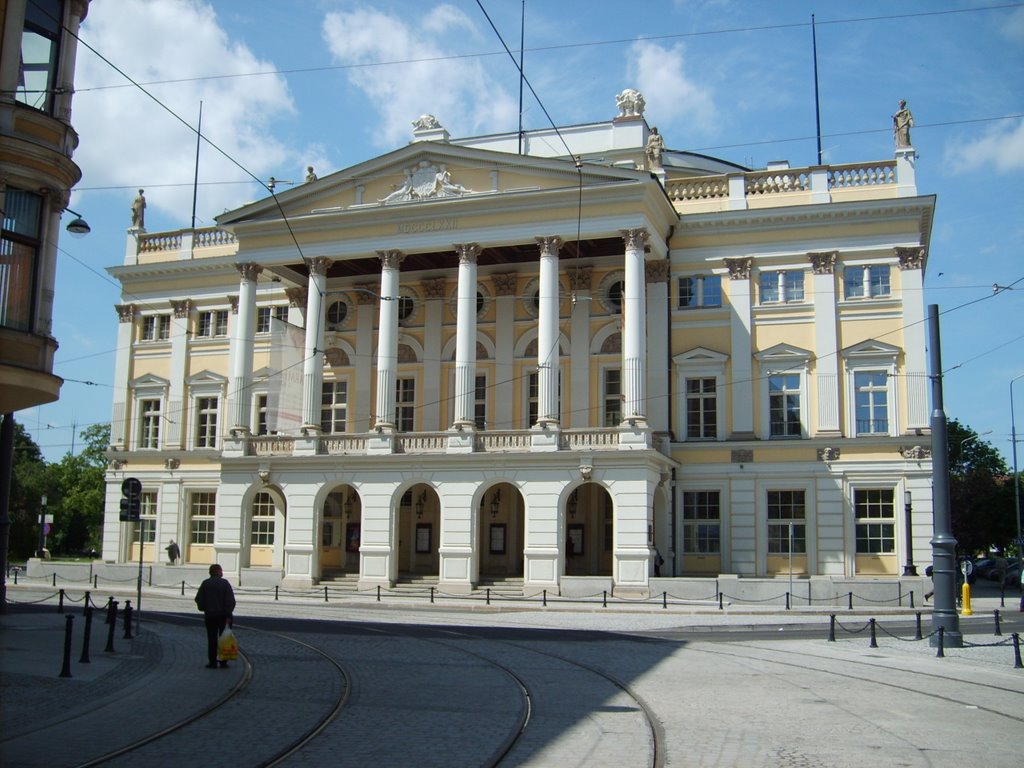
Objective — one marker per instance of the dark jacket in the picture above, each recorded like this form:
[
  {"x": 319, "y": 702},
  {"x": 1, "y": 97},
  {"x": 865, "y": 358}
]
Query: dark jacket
[{"x": 215, "y": 597}]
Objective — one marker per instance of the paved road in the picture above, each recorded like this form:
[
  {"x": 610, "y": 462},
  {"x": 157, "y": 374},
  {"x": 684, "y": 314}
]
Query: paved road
[{"x": 442, "y": 686}]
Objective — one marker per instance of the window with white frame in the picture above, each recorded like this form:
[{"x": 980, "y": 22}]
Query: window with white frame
[
  {"x": 150, "y": 413},
  {"x": 263, "y": 520},
  {"x": 261, "y": 405},
  {"x": 202, "y": 508},
  {"x": 702, "y": 523},
  {"x": 333, "y": 407},
  {"x": 784, "y": 405},
  {"x": 145, "y": 529},
  {"x": 612, "y": 393},
  {"x": 782, "y": 286},
  {"x": 405, "y": 405},
  {"x": 40, "y": 54},
  {"x": 206, "y": 421},
  {"x": 212, "y": 323},
  {"x": 701, "y": 409},
  {"x": 871, "y": 402},
  {"x": 874, "y": 512},
  {"x": 532, "y": 398},
  {"x": 787, "y": 522},
  {"x": 155, "y": 328},
  {"x": 700, "y": 291},
  {"x": 264, "y": 315},
  {"x": 866, "y": 282}
]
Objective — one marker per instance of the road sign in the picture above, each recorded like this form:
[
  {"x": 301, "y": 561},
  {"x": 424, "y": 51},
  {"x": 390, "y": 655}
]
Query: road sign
[
  {"x": 967, "y": 567},
  {"x": 131, "y": 486}
]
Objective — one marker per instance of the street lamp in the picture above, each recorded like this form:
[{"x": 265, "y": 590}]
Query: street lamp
[
  {"x": 1016, "y": 477},
  {"x": 42, "y": 526},
  {"x": 78, "y": 226},
  {"x": 909, "y": 569}
]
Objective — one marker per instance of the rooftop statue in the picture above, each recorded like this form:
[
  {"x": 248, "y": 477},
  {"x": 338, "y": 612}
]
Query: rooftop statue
[
  {"x": 424, "y": 182},
  {"x": 139, "y": 211},
  {"x": 426, "y": 123},
  {"x": 902, "y": 122},
  {"x": 655, "y": 146},
  {"x": 310, "y": 175},
  {"x": 630, "y": 103}
]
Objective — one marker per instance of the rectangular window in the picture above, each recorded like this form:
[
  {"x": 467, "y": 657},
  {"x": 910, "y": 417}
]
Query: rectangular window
[
  {"x": 701, "y": 409},
  {"x": 155, "y": 328},
  {"x": 40, "y": 53},
  {"x": 612, "y": 397},
  {"x": 261, "y": 415},
  {"x": 149, "y": 423},
  {"x": 875, "y": 513},
  {"x": 145, "y": 531},
  {"x": 871, "y": 402},
  {"x": 405, "y": 405},
  {"x": 333, "y": 407},
  {"x": 532, "y": 398},
  {"x": 202, "y": 508},
  {"x": 206, "y": 422},
  {"x": 700, "y": 291},
  {"x": 19, "y": 256},
  {"x": 787, "y": 528},
  {"x": 263, "y": 513},
  {"x": 264, "y": 315},
  {"x": 866, "y": 282},
  {"x": 480, "y": 402},
  {"x": 212, "y": 323},
  {"x": 701, "y": 523},
  {"x": 782, "y": 286},
  {"x": 784, "y": 405}
]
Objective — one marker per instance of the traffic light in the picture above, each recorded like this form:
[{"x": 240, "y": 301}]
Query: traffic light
[{"x": 131, "y": 500}]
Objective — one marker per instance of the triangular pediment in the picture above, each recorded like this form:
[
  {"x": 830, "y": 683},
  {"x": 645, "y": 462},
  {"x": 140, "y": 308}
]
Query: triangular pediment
[
  {"x": 426, "y": 173},
  {"x": 783, "y": 353},
  {"x": 206, "y": 378},
  {"x": 871, "y": 349},
  {"x": 699, "y": 356},
  {"x": 150, "y": 381}
]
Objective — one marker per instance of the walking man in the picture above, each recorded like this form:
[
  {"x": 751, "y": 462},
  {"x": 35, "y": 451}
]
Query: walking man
[
  {"x": 216, "y": 600},
  {"x": 173, "y": 552}
]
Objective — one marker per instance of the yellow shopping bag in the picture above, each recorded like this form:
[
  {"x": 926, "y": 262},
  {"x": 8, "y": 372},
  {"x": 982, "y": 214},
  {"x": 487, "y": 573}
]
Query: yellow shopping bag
[{"x": 227, "y": 646}]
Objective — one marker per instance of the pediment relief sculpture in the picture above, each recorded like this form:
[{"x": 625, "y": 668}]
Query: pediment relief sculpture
[{"x": 424, "y": 182}]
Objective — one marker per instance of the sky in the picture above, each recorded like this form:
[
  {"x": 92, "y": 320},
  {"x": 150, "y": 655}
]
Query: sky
[{"x": 283, "y": 84}]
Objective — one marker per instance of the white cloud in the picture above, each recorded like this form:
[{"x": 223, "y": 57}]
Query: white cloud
[
  {"x": 660, "y": 73},
  {"x": 1001, "y": 148},
  {"x": 459, "y": 92},
  {"x": 129, "y": 139}
]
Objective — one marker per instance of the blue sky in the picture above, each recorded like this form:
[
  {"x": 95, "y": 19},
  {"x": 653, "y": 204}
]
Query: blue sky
[{"x": 330, "y": 83}]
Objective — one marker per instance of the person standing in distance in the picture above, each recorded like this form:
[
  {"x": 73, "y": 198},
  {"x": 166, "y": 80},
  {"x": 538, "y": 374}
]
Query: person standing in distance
[{"x": 216, "y": 600}]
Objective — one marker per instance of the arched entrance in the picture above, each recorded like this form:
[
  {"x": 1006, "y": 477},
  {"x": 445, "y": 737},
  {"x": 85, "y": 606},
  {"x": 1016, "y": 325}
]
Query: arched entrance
[
  {"x": 265, "y": 532},
  {"x": 501, "y": 524},
  {"x": 419, "y": 532},
  {"x": 589, "y": 531},
  {"x": 340, "y": 533}
]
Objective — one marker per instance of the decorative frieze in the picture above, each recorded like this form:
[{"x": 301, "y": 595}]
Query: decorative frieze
[
  {"x": 433, "y": 287},
  {"x": 182, "y": 308},
  {"x": 823, "y": 263},
  {"x": 742, "y": 455},
  {"x": 579, "y": 278},
  {"x": 125, "y": 312},
  {"x": 915, "y": 452},
  {"x": 297, "y": 297},
  {"x": 366, "y": 293},
  {"x": 505, "y": 284},
  {"x": 910, "y": 258},
  {"x": 233, "y": 301},
  {"x": 828, "y": 454},
  {"x": 656, "y": 271}
]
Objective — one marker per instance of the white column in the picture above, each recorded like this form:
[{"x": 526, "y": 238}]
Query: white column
[
  {"x": 387, "y": 339},
  {"x": 119, "y": 417},
  {"x": 547, "y": 333},
  {"x": 634, "y": 328},
  {"x": 465, "y": 336},
  {"x": 313, "y": 364},
  {"x": 366, "y": 305},
  {"x": 243, "y": 342},
  {"x": 826, "y": 342},
  {"x": 916, "y": 373},
  {"x": 172, "y": 430},
  {"x": 658, "y": 365},
  {"x": 742, "y": 392},
  {"x": 433, "y": 320},
  {"x": 503, "y": 386},
  {"x": 579, "y": 350}
]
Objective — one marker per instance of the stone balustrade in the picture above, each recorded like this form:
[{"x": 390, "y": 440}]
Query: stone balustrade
[{"x": 183, "y": 240}]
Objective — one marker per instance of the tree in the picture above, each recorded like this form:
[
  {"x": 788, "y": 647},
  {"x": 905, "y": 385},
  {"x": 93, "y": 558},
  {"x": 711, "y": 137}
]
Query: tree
[
  {"x": 29, "y": 483},
  {"x": 79, "y": 485},
  {"x": 981, "y": 499}
]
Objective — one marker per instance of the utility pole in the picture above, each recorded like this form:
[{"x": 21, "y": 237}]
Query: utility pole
[{"x": 944, "y": 614}]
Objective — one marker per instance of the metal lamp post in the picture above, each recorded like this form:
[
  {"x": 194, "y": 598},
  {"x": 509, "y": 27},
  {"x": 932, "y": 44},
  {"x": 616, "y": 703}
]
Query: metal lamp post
[
  {"x": 42, "y": 526},
  {"x": 909, "y": 569},
  {"x": 1016, "y": 477}
]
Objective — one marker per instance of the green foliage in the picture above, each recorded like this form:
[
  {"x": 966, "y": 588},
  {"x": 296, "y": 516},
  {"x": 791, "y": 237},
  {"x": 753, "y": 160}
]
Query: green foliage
[
  {"x": 74, "y": 490},
  {"x": 980, "y": 492}
]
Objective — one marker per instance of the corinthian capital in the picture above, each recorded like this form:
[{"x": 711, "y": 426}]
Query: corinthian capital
[
  {"x": 391, "y": 259},
  {"x": 318, "y": 265},
  {"x": 249, "y": 272},
  {"x": 549, "y": 246},
  {"x": 468, "y": 252},
  {"x": 635, "y": 239}
]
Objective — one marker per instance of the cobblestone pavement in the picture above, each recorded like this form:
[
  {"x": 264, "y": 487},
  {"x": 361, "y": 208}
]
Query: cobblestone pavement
[{"x": 442, "y": 687}]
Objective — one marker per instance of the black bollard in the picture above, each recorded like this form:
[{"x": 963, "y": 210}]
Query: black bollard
[
  {"x": 1016, "y": 652},
  {"x": 111, "y": 625},
  {"x": 378, "y": 593},
  {"x": 431, "y": 595},
  {"x": 911, "y": 598},
  {"x": 917, "y": 632},
  {"x": 85, "y": 603},
  {"x": 60, "y": 602},
  {"x": 127, "y": 619},
  {"x": 66, "y": 669},
  {"x": 182, "y": 588},
  {"x": 787, "y": 601},
  {"x": 664, "y": 599},
  {"x": 545, "y": 598},
  {"x": 831, "y": 627},
  {"x": 325, "y": 595},
  {"x": 940, "y": 653},
  {"x": 55, "y": 578},
  {"x": 604, "y": 599},
  {"x": 85, "y": 639},
  {"x": 874, "y": 643},
  {"x": 275, "y": 591},
  {"x": 95, "y": 581},
  {"x": 849, "y": 600},
  {"x": 488, "y": 595},
  {"x": 998, "y": 630},
  {"x": 719, "y": 601}
]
